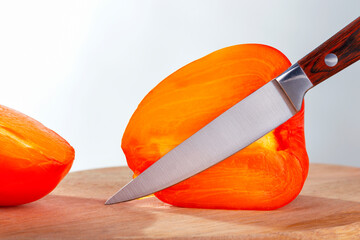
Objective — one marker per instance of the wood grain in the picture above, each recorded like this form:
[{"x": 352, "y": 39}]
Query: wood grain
[
  {"x": 327, "y": 208},
  {"x": 345, "y": 45}
]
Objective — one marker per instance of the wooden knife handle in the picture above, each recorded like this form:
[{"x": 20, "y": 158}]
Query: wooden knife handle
[{"x": 335, "y": 54}]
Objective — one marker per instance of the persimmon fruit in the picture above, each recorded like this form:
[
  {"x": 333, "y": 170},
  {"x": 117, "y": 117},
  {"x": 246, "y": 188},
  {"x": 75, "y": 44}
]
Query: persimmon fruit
[
  {"x": 33, "y": 158},
  {"x": 266, "y": 175}
]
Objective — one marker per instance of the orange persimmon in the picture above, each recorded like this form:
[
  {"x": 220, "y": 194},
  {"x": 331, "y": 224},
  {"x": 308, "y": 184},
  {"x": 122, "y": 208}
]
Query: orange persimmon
[
  {"x": 267, "y": 174},
  {"x": 33, "y": 158}
]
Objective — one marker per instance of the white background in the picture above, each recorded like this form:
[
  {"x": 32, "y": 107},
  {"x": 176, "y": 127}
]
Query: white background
[{"x": 81, "y": 67}]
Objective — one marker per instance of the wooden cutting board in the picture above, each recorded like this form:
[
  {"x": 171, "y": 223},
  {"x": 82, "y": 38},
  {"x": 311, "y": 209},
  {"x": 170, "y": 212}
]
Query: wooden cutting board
[{"x": 327, "y": 208}]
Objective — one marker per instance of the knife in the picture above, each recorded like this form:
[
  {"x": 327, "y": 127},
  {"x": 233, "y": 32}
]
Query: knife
[{"x": 248, "y": 120}]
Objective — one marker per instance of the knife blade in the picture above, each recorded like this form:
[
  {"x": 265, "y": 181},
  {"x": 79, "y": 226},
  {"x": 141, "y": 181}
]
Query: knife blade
[{"x": 248, "y": 120}]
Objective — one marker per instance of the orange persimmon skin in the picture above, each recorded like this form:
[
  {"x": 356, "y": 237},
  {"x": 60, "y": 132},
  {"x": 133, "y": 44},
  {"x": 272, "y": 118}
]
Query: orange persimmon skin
[
  {"x": 267, "y": 174},
  {"x": 33, "y": 158}
]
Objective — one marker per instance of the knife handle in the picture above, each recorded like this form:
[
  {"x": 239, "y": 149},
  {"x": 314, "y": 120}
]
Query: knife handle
[{"x": 340, "y": 51}]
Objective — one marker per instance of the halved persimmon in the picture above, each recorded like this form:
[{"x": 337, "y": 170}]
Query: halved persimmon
[
  {"x": 33, "y": 158},
  {"x": 267, "y": 174}
]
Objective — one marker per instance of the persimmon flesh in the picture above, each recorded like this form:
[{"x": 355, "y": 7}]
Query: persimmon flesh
[
  {"x": 33, "y": 158},
  {"x": 267, "y": 174}
]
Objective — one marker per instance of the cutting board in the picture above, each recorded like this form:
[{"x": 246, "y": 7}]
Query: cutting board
[{"x": 327, "y": 208}]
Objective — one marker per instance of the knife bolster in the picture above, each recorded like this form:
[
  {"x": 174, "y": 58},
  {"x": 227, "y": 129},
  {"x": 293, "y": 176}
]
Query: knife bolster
[{"x": 295, "y": 84}]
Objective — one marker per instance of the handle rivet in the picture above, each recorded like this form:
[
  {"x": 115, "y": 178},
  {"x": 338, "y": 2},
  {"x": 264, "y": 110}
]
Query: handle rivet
[{"x": 331, "y": 60}]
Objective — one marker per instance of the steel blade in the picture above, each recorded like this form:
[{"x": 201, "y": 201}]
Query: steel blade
[{"x": 236, "y": 128}]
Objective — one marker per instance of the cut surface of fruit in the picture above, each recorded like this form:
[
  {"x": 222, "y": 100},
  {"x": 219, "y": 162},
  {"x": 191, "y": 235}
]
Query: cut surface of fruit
[{"x": 33, "y": 158}]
